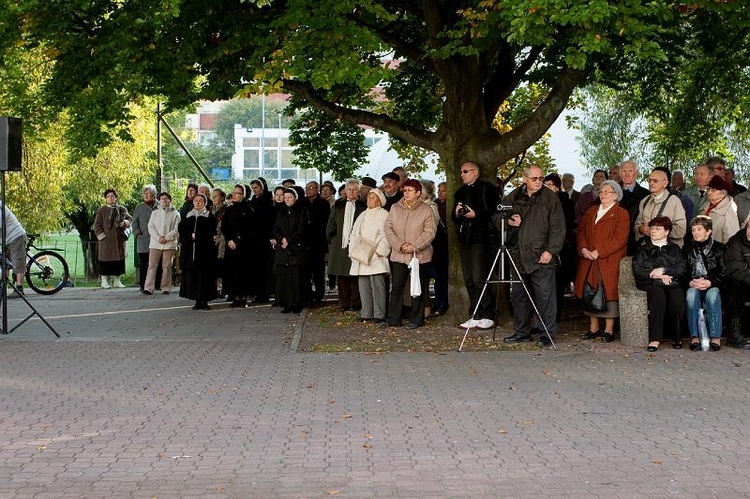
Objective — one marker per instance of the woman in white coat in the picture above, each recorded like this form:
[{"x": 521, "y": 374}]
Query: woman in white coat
[
  {"x": 368, "y": 251},
  {"x": 162, "y": 227}
]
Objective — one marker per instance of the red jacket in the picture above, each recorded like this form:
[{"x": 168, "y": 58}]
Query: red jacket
[{"x": 609, "y": 236}]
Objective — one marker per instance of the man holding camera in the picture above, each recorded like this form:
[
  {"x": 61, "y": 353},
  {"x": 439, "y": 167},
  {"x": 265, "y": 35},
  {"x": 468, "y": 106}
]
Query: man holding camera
[
  {"x": 536, "y": 234},
  {"x": 475, "y": 203}
]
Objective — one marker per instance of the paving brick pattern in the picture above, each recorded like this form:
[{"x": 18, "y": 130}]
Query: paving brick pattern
[{"x": 143, "y": 397}]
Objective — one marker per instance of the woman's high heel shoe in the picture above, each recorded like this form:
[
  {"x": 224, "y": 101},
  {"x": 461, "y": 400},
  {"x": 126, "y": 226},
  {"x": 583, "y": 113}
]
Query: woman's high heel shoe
[{"x": 653, "y": 347}]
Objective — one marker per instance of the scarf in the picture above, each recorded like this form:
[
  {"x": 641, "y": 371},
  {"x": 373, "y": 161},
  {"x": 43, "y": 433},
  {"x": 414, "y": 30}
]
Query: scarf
[
  {"x": 115, "y": 217},
  {"x": 348, "y": 223},
  {"x": 602, "y": 211},
  {"x": 700, "y": 251}
]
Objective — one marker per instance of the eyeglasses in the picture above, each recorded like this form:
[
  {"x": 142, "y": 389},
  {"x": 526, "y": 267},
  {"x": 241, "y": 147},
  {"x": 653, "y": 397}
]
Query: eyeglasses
[
  {"x": 467, "y": 171},
  {"x": 409, "y": 189},
  {"x": 606, "y": 192},
  {"x": 534, "y": 179}
]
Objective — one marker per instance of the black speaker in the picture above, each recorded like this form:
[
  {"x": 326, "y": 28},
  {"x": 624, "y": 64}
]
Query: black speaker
[{"x": 10, "y": 144}]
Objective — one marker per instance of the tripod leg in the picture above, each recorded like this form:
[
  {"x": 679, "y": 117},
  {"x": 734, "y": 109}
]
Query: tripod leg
[
  {"x": 487, "y": 281},
  {"x": 35, "y": 312}
]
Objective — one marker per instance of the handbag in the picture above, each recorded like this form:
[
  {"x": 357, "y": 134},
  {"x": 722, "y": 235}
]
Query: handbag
[
  {"x": 363, "y": 251},
  {"x": 593, "y": 297},
  {"x": 415, "y": 283}
]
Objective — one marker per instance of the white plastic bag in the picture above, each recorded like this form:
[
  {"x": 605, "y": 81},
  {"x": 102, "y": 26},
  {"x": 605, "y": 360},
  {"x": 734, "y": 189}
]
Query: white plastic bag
[
  {"x": 703, "y": 330},
  {"x": 416, "y": 286}
]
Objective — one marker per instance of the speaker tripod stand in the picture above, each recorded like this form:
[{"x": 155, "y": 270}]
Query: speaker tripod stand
[
  {"x": 500, "y": 256},
  {"x": 5, "y": 281}
]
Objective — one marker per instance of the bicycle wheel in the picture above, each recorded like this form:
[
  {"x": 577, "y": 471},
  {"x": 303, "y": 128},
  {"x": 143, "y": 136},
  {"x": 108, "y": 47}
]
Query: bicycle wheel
[{"x": 47, "y": 272}]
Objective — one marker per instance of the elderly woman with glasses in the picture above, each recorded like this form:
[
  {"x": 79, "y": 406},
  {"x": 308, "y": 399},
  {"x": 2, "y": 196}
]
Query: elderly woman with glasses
[
  {"x": 409, "y": 229},
  {"x": 602, "y": 243},
  {"x": 659, "y": 268}
]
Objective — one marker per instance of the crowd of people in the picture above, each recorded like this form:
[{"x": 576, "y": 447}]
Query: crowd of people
[{"x": 380, "y": 245}]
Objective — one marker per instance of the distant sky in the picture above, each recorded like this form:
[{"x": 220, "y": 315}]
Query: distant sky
[{"x": 565, "y": 150}]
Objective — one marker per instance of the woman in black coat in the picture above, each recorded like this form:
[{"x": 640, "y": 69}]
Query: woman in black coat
[
  {"x": 706, "y": 268},
  {"x": 197, "y": 232},
  {"x": 291, "y": 232},
  {"x": 236, "y": 227},
  {"x": 264, "y": 217},
  {"x": 659, "y": 268}
]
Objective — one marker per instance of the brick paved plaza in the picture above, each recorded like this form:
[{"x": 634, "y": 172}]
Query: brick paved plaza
[{"x": 143, "y": 397}]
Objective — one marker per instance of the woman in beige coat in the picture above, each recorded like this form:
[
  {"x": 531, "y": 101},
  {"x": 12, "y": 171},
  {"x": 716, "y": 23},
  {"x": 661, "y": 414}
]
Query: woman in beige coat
[
  {"x": 410, "y": 229},
  {"x": 369, "y": 232}
]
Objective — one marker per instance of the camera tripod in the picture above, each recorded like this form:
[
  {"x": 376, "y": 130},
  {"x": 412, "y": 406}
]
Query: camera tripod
[{"x": 502, "y": 253}]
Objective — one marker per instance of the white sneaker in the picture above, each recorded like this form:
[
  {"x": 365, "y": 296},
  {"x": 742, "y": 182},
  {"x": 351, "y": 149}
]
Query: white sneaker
[
  {"x": 485, "y": 324},
  {"x": 471, "y": 323}
]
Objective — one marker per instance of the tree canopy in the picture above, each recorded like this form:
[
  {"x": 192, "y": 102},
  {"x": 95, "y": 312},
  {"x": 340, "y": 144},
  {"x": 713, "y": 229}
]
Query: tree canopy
[{"x": 431, "y": 73}]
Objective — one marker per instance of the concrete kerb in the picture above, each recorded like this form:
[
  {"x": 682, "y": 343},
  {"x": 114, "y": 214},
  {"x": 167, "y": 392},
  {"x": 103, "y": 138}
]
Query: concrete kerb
[{"x": 298, "y": 331}]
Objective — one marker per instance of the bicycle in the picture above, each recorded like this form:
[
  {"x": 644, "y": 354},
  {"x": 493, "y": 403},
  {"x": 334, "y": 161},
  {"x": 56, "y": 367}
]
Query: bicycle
[{"x": 46, "y": 270}]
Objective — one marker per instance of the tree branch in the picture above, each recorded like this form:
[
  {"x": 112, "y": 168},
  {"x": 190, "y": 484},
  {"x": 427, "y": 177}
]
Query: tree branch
[
  {"x": 519, "y": 139},
  {"x": 500, "y": 85},
  {"x": 411, "y": 52},
  {"x": 413, "y": 135}
]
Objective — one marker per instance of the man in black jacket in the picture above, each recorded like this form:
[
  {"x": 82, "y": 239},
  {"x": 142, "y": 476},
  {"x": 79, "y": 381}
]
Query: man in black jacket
[
  {"x": 737, "y": 259},
  {"x": 320, "y": 211},
  {"x": 475, "y": 203},
  {"x": 536, "y": 234}
]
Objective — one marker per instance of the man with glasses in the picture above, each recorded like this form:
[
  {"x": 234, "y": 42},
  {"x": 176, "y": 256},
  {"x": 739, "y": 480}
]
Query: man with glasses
[
  {"x": 661, "y": 202},
  {"x": 536, "y": 234},
  {"x": 475, "y": 203}
]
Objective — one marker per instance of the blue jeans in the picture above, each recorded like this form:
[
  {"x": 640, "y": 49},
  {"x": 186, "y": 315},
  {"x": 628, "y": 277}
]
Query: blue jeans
[{"x": 711, "y": 302}]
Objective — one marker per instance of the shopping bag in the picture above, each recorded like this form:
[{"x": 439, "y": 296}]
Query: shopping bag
[{"x": 416, "y": 285}]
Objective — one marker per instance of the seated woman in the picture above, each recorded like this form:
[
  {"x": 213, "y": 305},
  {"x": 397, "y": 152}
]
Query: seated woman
[
  {"x": 659, "y": 268},
  {"x": 705, "y": 262}
]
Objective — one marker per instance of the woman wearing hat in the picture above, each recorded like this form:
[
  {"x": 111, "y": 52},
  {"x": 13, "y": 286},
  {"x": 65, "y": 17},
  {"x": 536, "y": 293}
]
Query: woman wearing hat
[
  {"x": 410, "y": 229},
  {"x": 602, "y": 243},
  {"x": 368, "y": 233},
  {"x": 197, "y": 232},
  {"x": 291, "y": 230},
  {"x": 721, "y": 209}
]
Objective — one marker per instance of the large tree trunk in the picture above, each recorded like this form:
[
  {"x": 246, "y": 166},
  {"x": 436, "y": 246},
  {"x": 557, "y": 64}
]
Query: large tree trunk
[{"x": 83, "y": 221}]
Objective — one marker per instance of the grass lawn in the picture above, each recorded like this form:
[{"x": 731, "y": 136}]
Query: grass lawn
[{"x": 69, "y": 246}]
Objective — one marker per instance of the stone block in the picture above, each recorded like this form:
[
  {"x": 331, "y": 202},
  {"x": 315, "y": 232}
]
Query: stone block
[{"x": 633, "y": 308}]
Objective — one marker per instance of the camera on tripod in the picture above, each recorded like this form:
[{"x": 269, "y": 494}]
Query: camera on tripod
[{"x": 504, "y": 211}]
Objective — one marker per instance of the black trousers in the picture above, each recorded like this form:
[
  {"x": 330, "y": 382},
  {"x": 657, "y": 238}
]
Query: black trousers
[
  {"x": 541, "y": 285},
  {"x": 475, "y": 263},
  {"x": 400, "y": 273},
  {"x": 318, "y": 274},
  {"x": 666, "y": 308}
]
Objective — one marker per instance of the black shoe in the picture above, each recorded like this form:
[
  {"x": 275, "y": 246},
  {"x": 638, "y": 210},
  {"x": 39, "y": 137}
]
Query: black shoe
[
  {"x": 677, "y": 344},
  {"x": 345, "y": 309},
  {"x": 411, "y": 325},
  {"x": 261, "y": 299},
  {"x": 197, "y": 306},
  {"x": 715, "y": 347},
  {"x": 287, "y": 310},
  {"x": 516, "y": 338},
  {"x": 739, "y": 342},
  {"x": 297, "y": 308},
  {"x": 376, "y": 321},
  {"x": 544, "y": 341},
  {"x": 146, "y": 292},
  {"x": 206, "y": 306},
  {"x": 652, "y": 348},
  {"x": 608, "y": 337},
  {"x": 17, "y": 293},
  {"x": 590, "y": 335},
  {"x": 695, "y": 346}
]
